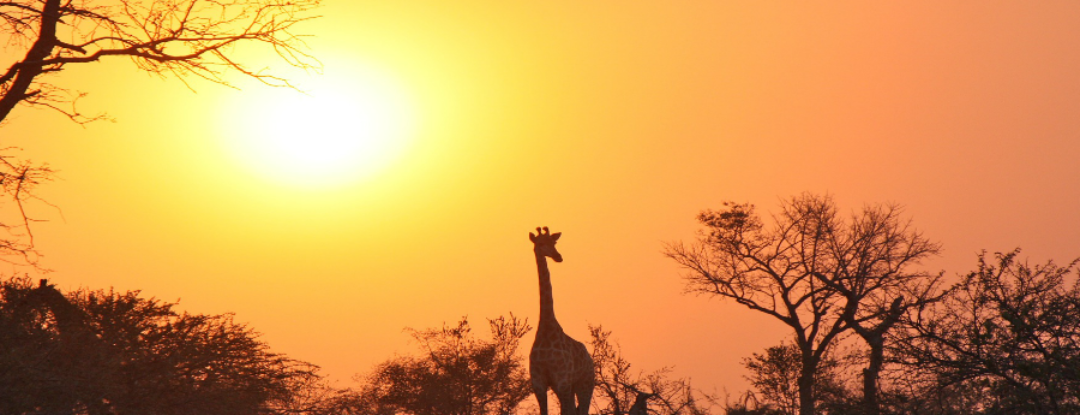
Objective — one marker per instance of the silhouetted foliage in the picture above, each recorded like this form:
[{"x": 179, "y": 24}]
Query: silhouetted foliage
[
  {"x": 815, "y": 272},
  {"x": 618, "y": 386},
  {"x": 455, "y": 374},
  {"x": 100, "y": 352},
  {"x": 745, "y": 409},
  {"x": 774, "y": 376},
  {"x": 1006, "y": 340},
  {"x": 749, "y": 406}
]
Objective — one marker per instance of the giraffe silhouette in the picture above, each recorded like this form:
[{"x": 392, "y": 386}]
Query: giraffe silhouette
[
  {"x": 71, "y": 322},
  {"x": 641, "y": 402},
  {"x": 557, "y": 362},
  {"x": 78, "y": 355}
]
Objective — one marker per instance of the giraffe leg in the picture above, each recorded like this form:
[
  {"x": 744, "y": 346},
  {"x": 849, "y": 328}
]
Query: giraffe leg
[
  {"x": 584, "y": 398},
  {"x": 566, "y": 403},
  {"x": 541, "y": 399}
]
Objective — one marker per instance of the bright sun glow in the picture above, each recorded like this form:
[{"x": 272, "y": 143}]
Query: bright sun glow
[{"x": 339, "y": 131}]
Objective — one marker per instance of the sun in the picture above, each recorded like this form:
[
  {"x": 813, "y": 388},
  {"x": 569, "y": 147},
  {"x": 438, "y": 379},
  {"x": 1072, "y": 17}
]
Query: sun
[{"x": 336, "y": 132}]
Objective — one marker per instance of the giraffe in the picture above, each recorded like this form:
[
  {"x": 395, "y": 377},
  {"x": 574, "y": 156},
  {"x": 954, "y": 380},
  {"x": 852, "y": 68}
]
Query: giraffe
[
  {"x": 78, "y": 356},
  {"x": 557, "y": 362},
  {"x": 641, "y": 402},
  {"x": 71, "y": 322}
]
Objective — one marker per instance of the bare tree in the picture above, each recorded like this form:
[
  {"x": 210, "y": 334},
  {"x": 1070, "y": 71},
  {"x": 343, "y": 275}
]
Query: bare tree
[
  {"x": 183, "y": 38},
  {"x": 18, "y": 180},
  {"x": 870, "y": 269},
  {"x": 813, "y": 271},
  {"x": 179, "y": 37}
]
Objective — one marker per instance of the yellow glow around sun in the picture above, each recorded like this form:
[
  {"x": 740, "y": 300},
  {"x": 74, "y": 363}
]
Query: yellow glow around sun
[{"x": 339, "y": 131}]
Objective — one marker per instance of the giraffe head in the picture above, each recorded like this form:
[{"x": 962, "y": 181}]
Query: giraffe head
[
  {"x": 641, "y": 402},
  {"x": 544, "y": 243}
]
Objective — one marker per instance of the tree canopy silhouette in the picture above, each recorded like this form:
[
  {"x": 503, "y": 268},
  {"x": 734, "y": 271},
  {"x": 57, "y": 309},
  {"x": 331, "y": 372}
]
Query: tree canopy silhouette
[
  {"x": 99, "y": 352},
  {"x": 774, "y": 375},
  {"x": 454, "y": 374},
  {"x": 1005, "y": 340}
]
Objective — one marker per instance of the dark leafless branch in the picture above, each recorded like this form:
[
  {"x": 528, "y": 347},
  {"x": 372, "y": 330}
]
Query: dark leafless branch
[{"x": 179, "y": 38}]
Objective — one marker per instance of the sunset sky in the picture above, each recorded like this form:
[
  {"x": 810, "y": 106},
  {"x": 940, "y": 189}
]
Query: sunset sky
[{"x": 612, "y": 122}]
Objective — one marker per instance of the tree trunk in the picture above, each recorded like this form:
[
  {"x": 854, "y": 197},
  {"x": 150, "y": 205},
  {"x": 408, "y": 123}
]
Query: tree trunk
[
  {"x": 871, "y": 374},
  {"x": 875, "y": 339},
  {"x": 29, "y": 67},
  {"x": 806, "y": 387}
]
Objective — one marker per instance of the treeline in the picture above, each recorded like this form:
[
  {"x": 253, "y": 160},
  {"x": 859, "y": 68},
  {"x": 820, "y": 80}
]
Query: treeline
[
  {"x": 1005, "y": 339},
  {"x": 99, "y": 352},
  {"x": 106, "y": 352},
  {"x": 869, "y": 334}
]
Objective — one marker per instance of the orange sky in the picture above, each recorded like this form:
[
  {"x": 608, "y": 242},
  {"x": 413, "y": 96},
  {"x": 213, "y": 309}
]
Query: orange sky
[{"x": 612, "y": 122}]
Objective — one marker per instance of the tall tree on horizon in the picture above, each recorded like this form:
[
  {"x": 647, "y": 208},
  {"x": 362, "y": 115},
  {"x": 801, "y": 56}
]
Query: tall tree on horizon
[
  {"x": 872, "y": 273},
  {"x": 797, "y": 269}
]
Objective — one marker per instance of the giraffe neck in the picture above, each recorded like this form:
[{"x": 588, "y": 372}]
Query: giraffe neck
[
  {"x": 547, "y": 302},
  {"x": 69, "y": 319}
]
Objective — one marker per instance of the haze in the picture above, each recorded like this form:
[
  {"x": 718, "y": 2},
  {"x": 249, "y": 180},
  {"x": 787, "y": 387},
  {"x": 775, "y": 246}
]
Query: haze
[{"x": 611, "y": 122}]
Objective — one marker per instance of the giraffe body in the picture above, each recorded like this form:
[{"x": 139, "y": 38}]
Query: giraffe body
[
  {"x": 77, "y": 348},
  {"x": 557, "y": 361},
  {"x": 562, "y": 364}
]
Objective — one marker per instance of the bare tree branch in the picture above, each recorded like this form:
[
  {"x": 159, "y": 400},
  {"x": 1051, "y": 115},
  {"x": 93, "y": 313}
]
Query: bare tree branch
[{"x": 179, "y": 38}]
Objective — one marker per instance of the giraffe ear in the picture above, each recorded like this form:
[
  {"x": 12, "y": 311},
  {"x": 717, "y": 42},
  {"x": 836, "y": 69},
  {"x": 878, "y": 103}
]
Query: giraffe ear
[
  {"x": 532, "y": 237},
  {"x": 555, "y": 236}
]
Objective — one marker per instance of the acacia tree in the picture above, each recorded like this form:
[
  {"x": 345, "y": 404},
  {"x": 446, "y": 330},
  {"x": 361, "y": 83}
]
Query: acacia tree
[
  {"x": 99, "y": 352},
  {"x": 183, "y": 38},
  {"x": 455, "y": 374},
  {"x": 1005, "y": 340},
  {"x": 813, "y": 271}
]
